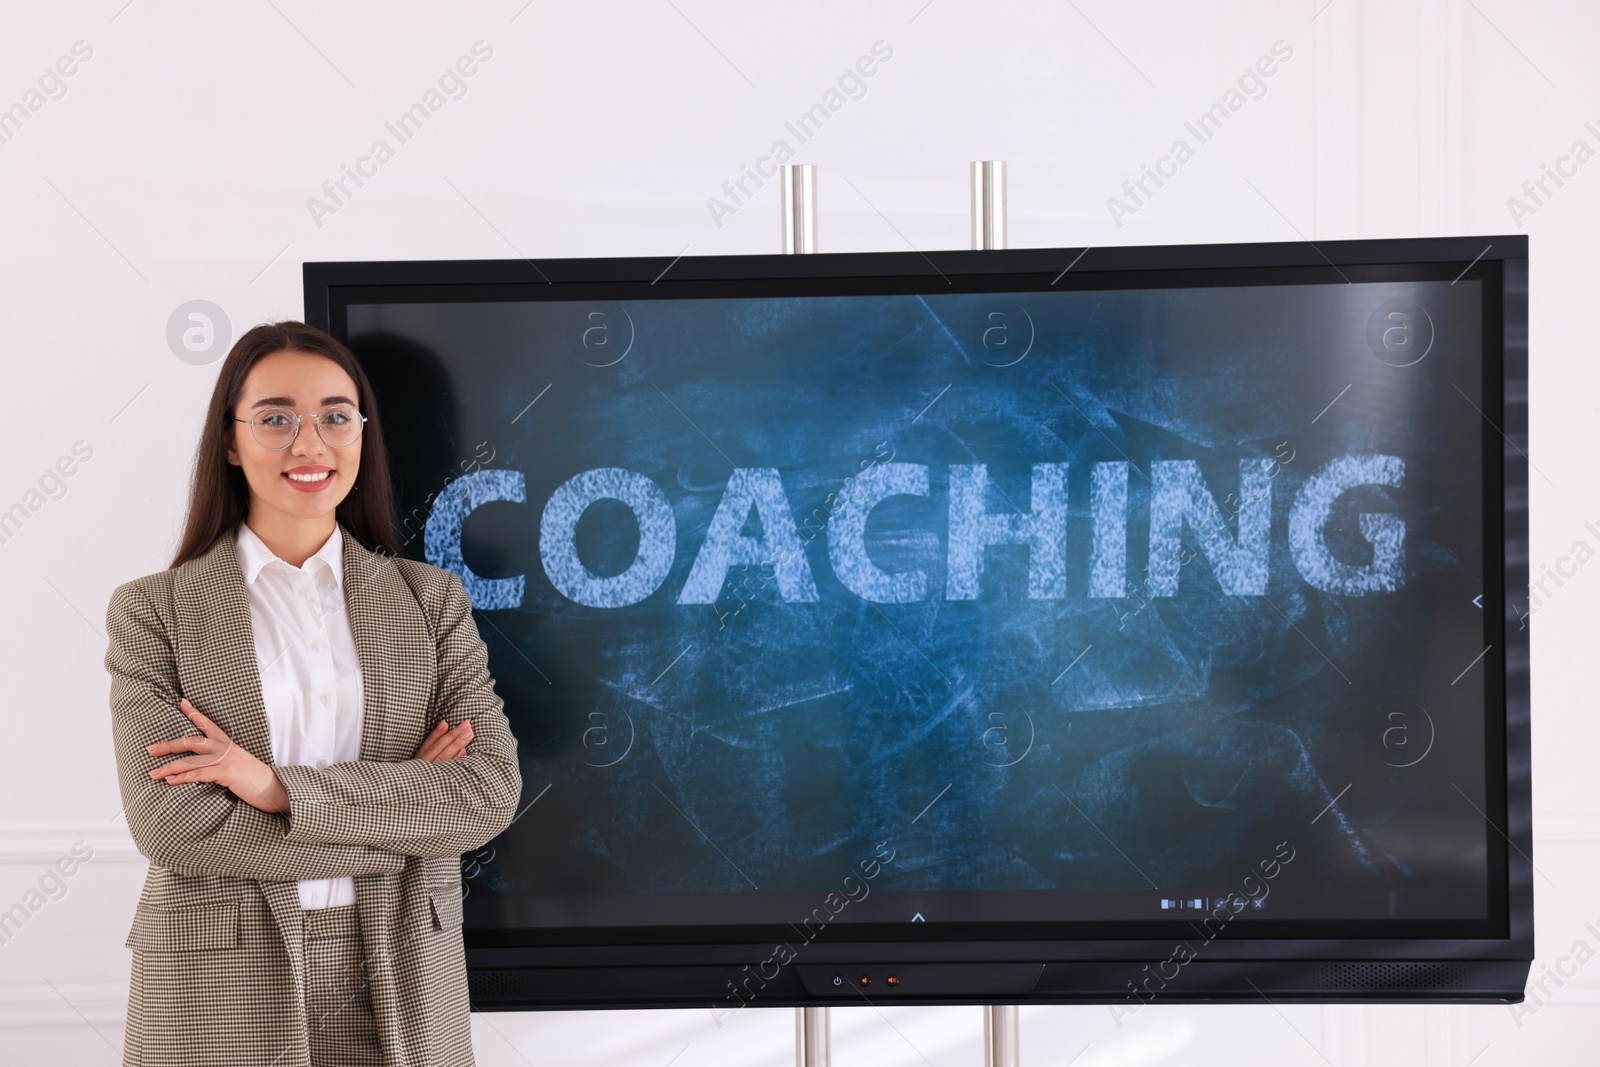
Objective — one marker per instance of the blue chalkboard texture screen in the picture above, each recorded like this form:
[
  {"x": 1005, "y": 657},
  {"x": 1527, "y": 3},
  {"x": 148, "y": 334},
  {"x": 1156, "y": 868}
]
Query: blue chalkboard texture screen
[{"x": 877, "y": 613}]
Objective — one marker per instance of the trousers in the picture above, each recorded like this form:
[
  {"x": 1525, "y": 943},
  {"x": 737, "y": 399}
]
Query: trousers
[{"x": 339, "y": 1024}]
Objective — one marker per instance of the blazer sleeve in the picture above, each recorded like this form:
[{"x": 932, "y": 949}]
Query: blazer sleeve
[
  {"x": 196, "y": 827},
  {"x": 415, "y": 806}
]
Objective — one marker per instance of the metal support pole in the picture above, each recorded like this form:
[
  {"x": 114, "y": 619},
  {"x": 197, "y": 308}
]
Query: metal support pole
[
  {"x": 989, "y": 203},
  {"x": 1000, "y": 1022},
  {"x": 799, "y": 208},
  {"x": 811, "y": 1037},
  {"x": 1002, "y": 1044},
  {"x": 799, "y": 181}
]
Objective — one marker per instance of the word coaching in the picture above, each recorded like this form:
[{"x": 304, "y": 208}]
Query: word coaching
[{"x": 1179, "y": 497}]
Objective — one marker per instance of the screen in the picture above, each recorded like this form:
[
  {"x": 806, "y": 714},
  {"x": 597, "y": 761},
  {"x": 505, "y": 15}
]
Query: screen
[{"x": 980, "y": 610}]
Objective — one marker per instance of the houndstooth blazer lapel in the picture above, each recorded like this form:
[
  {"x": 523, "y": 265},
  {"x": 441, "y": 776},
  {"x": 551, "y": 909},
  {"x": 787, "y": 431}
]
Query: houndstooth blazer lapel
[
  {"x": 216, "y": 647},
  {"x": 216, "y": 653},
  {"x": 216, "y": 659},
  {"x": 399, "y": 671}
]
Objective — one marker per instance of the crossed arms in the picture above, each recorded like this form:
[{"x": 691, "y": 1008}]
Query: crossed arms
[{"x": 348, "y": 819}]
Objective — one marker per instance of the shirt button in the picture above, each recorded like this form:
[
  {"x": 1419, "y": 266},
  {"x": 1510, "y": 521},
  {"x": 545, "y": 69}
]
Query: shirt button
[
  {"x": 305, "y": 592},
  {"x": 321, "y": 763},
  {"x": 316, "y": 646},
  {"x": 324, "y": 698}
]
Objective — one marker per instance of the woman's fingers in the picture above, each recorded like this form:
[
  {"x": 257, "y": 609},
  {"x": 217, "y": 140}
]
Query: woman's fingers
[
  {"x": 436, "y": 740},
  {"x": 197, "y": 774},
  {"x": 208, "y": 749},
  {"x": 430, "y": 744},
  {"x": 455, "y": 742},
  {"x": 182, "y": 744},
  {"x": 209, "y": 731},
  {"x": 178, "y": 770},
  {"x": 207, "y": 727},
  {"x": 185, "y": 744},
  {"x": 461, "y": 738},
  {"x": 445, "y": 744}
]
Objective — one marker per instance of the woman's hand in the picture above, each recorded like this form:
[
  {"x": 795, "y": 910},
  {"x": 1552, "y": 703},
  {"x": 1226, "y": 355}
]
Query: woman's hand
[
  {"x": 444, "y": 744},
  {"x": 217, "y": 759}
]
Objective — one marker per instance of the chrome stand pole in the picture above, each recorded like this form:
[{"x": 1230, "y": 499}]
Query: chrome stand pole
[
  {"x": 799, "y": 180},
  {"x": 989, "y": 203},
  {"x": 1002, "y": 1039},
  {"x": 799, "y": 208},
  {"x": 811, "y": 1037}
]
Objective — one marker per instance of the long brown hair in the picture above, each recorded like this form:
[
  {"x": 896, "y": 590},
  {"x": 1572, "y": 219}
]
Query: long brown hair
[{"x": 219, "y": 495}]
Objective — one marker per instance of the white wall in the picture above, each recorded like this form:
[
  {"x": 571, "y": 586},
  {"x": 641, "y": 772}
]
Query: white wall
[{"x": 178, "y": 164}]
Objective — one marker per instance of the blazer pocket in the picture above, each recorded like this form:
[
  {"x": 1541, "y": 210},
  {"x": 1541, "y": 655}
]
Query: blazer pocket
[
  {"x": 445, "y": 904},
  {"x": 198, "y": 928}
]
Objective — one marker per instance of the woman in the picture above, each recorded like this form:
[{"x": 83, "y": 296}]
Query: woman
[{"x": 307, "y": 740}]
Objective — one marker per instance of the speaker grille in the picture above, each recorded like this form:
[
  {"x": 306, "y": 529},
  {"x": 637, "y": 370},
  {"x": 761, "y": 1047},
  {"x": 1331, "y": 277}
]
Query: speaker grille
[
  {"x": 497, "y": 985},
  {"x": 1392, "y": 976}
]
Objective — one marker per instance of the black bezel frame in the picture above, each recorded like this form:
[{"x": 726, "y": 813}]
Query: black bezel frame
[{"x": 648, "y": 968}]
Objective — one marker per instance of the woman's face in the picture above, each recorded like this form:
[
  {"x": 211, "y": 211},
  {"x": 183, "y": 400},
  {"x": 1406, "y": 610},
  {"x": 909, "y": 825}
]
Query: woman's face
[{"x": 305, "y": 383}]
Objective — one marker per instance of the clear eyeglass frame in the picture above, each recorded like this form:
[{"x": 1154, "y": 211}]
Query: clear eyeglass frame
[{"x": 316, "y": 417}]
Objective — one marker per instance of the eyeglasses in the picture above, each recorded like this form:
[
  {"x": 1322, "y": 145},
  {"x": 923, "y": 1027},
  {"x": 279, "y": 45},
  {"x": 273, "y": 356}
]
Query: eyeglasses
[{"x": 339, "y": 426}]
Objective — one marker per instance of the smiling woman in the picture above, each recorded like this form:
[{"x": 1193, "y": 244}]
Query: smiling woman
[
  {"x": 278, "y": 459},
  {"x": 276, "y": 378},
  {"x": 307, "y": 740}
]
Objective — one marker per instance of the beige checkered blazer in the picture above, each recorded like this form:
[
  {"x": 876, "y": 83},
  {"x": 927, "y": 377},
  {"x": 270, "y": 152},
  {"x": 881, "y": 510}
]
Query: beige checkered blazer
[{"x": 218, "y": 949}]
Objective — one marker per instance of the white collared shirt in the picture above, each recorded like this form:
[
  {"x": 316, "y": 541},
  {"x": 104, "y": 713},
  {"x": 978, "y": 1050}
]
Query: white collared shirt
[{"x": 310, "y": 673}]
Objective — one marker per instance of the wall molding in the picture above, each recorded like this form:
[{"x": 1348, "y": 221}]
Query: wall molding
[
  {"x": 42, "y": 844},
  {"x": 96, "y": 1004}
]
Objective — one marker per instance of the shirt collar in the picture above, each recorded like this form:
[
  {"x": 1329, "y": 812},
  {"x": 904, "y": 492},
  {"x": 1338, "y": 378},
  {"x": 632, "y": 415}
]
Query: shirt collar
[{"x": 254, "y": 555}]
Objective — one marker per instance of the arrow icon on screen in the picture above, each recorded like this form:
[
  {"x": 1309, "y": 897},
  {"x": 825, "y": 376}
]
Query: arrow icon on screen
[{"x": 917, "y": 918}]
